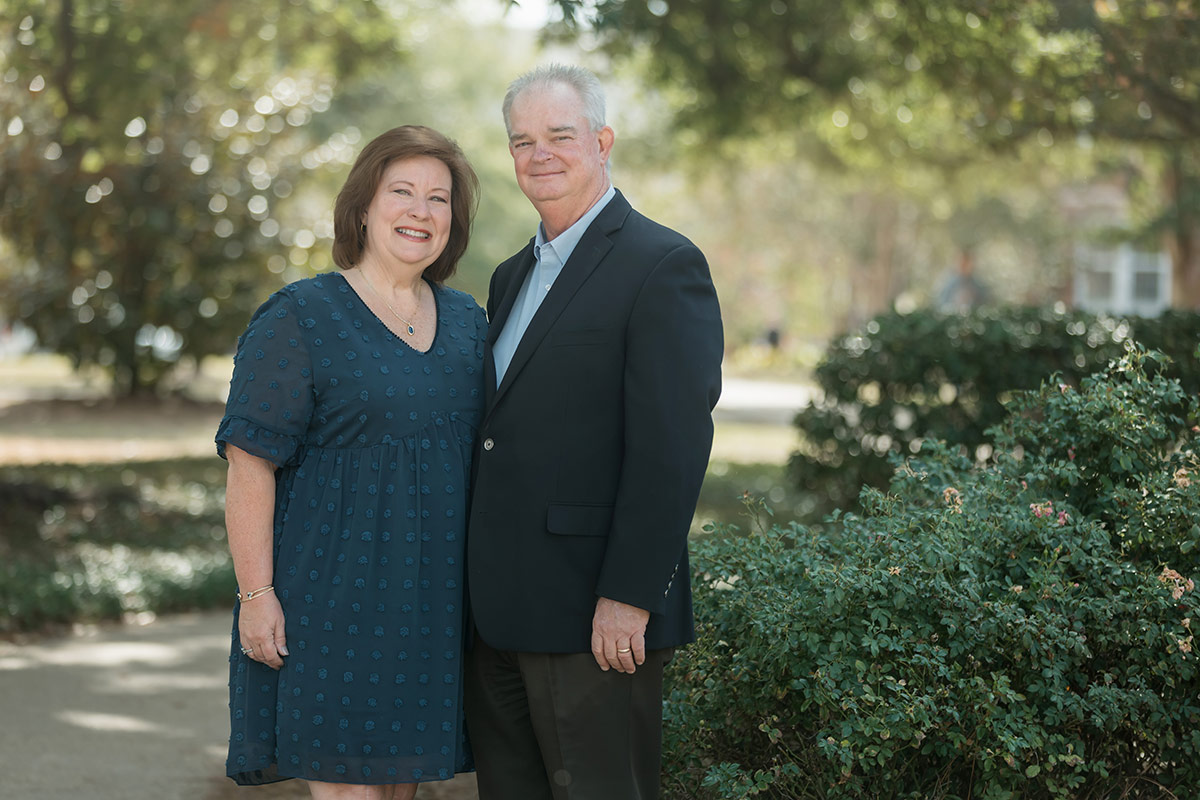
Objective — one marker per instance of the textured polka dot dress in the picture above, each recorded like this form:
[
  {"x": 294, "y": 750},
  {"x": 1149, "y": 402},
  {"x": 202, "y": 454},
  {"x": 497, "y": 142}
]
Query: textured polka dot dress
[{"x": 373, "y": 441}]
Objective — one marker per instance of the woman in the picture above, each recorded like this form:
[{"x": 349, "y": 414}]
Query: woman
[{"x": 349, "y": 427}]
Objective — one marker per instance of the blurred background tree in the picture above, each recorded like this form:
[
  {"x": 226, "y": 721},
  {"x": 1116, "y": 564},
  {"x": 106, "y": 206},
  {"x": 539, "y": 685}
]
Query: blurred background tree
[
  {"x": 455, "y": 83},
  {"x": 969, "y": 117},
  {"x": 163, "y": 170},
  {"x": 156, "y": 163}
]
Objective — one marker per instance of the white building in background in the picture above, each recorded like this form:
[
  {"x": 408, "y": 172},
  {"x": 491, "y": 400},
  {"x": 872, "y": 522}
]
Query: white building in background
[
  {"x": 1121, "y": 280},
  {"x": 15, "y": 339},
  {"x": 1116, "y": 278}
]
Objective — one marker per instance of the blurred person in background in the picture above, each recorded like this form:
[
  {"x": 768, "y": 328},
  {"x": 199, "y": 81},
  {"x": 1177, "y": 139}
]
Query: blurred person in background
[
  {"x": 963, "y": 291},
  {"x": 349, "y": 431}
]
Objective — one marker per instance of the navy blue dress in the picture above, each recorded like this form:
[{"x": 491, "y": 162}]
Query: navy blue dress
[{"x": 373, "y": 442}]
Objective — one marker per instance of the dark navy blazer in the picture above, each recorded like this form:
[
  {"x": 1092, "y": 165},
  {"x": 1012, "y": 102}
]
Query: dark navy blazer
[{"x": 592, "y": 450}]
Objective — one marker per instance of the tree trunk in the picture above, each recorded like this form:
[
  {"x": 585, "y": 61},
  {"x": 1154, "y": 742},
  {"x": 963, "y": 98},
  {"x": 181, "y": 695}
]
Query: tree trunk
[
  {"x": 871, "y": 290},
  {"x": 1182, "y": 238}
]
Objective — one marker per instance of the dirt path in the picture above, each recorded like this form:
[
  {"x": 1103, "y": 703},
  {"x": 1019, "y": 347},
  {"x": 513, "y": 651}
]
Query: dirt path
[
  {"x": 131, "y": 712},
  {"x": 95, "y": 430}
]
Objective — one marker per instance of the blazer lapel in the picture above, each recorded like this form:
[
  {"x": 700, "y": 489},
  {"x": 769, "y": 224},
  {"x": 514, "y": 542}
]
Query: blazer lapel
[
  {"x": 592, "y": 248},
  {"x": 520, "y": 264},
  {"x": 524, "y": 262}
]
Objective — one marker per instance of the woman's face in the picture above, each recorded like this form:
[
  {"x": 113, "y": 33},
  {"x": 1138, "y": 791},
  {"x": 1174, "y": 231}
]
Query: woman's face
[{"x": 408, "y": 220}]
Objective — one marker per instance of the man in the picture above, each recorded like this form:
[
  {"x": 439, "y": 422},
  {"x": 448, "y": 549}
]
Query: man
[{"x": 602, "y": 369}]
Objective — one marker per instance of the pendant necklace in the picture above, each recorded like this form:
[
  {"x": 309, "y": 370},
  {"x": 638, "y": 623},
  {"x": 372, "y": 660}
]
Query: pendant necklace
[{"x": 408, "y": 326}]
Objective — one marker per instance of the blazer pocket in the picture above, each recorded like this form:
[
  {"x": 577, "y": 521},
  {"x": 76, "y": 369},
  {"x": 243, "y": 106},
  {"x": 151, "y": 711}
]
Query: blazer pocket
[
  {"x": 574, "y": 519},
  {"x": 578, "y": 337}
]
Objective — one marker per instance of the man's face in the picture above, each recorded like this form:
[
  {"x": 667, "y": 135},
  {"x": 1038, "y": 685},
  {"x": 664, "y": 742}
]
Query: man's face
[{"x": 559, "y": 160}]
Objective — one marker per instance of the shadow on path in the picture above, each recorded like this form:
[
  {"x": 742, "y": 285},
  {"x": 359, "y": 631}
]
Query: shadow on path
[{"x": 131, "y": 713}]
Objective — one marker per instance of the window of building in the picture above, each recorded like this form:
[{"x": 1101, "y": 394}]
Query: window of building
[{"x": 1122, "y": 280}]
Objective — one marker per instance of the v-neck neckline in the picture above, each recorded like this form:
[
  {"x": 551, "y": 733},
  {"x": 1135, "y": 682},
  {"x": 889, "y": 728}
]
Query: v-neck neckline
[{"x": 437, "y": 316}]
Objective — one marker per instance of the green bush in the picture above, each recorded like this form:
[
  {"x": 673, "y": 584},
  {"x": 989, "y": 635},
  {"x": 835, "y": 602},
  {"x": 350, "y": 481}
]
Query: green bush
[
  {"x": 1018, "y": 629},
  {"x": 95, "y": 542},
  {"x": 905, "y": 378}
]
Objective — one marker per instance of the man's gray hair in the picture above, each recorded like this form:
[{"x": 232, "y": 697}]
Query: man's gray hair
[{"x": 585, "y": 84}]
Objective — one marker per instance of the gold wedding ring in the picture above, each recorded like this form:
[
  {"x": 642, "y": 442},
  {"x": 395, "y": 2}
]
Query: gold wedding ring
[{"x": 626, "y": 650}]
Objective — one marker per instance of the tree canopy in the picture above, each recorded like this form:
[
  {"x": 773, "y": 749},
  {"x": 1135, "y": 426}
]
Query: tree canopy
[
  {"x": 148, "y": 149},
  {"x": 1011, "y": 68},
  {"x": 889, "y": 87}
]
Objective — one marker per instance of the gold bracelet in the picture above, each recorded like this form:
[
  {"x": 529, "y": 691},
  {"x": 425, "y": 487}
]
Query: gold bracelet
[{"x": 251, "y": 595}]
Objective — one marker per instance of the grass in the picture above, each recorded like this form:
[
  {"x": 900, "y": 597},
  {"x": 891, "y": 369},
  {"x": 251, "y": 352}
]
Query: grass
[
  {"x": 46, "y": 375},
  {"x": 49, "y": 414}
]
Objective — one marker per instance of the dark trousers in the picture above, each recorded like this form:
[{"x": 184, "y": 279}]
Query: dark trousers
[{"x": 547, "y": 726}]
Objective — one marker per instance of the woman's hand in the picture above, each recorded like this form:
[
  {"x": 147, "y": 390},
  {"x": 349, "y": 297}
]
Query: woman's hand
[
  {"x": 249, "y": 519},
  {"x": 260, "y": 630}
]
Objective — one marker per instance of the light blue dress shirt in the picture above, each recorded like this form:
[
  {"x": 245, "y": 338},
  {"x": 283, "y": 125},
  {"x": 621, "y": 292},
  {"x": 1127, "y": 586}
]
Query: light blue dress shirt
[{"x": 548, "y": 261}]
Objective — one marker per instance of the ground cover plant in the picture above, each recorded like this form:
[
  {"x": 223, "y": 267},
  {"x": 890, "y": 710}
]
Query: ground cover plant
[
  {"x": 1017, "y": 629},
  {"x": 95, "y": 542}
]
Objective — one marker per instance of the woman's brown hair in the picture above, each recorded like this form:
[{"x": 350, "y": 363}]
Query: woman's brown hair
[{"x": 407, "y": 141}]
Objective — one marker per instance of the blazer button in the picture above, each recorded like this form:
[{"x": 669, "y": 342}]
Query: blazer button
[{"x": 488, "y": 444}]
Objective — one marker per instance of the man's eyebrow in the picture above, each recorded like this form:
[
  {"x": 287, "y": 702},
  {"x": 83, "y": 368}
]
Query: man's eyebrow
[{"x": 555, "y": 129}]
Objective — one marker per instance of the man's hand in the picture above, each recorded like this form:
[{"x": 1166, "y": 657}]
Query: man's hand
[{"x": 619, "y": 635}]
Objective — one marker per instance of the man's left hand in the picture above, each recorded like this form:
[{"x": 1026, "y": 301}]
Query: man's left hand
[{"x": 619, "y": 635}]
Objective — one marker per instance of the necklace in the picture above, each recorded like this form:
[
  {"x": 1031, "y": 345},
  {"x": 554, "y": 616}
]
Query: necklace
[{"x": 408, "y": 326}]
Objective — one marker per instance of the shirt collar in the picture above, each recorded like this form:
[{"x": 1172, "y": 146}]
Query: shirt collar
[{"x": 564, "y": 244}]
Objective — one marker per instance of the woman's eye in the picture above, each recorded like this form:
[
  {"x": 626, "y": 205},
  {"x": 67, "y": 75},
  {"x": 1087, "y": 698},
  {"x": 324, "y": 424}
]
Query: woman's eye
[{"x": 440, "y": 199}]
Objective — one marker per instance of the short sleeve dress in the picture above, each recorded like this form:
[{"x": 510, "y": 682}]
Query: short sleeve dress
[{"x": 373, "y": 442}]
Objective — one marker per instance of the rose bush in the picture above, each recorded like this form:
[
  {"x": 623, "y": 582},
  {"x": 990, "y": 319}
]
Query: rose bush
[
  {"x": 1017, "y": 629},
  {"x": 903, "y": 378}
]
